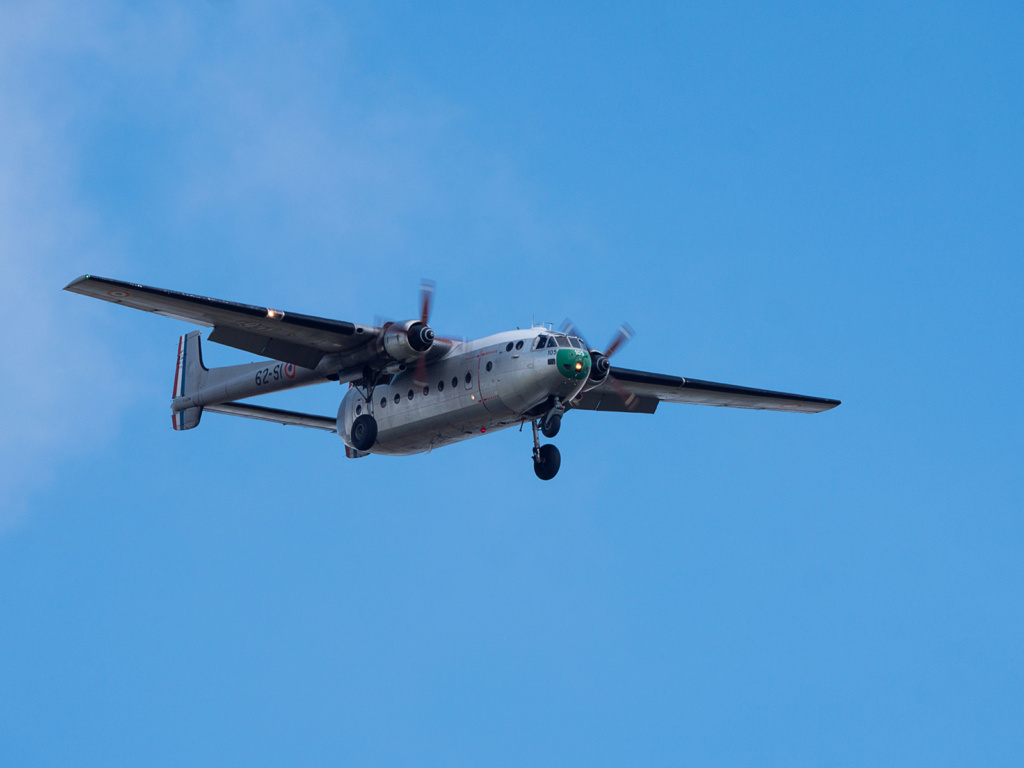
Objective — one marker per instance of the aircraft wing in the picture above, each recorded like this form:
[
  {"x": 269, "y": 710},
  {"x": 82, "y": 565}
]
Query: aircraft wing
[
  {"x": 287, "y": 336},
  {"x": 640, "y": 392}
]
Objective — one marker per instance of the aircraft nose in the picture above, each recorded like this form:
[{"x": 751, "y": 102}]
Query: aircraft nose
[{"x": 573, "y": 363}]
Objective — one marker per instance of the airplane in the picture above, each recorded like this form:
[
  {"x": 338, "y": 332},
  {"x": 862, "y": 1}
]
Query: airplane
[{"x": 411, "y": 391}]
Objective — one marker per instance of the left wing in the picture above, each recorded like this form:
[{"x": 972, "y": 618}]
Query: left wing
[
  {"x": 287, "y": 336},
  {"x": 640, "y": 392}
]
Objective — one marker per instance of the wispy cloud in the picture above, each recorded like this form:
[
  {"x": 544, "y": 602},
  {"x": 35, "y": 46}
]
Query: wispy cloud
[
  {"x": 220, "y": 142},
  {"x": 54, "y": 364}
]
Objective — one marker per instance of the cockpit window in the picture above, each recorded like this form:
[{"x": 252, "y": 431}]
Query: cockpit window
[
  {"x": 542, "y": 341},
  {"x": 563, "y": 341},
  {"x": 575, "y": 342}
]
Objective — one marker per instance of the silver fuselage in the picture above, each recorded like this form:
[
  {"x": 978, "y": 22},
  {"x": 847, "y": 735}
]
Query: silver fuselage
[{"x": 480, "y": 386}]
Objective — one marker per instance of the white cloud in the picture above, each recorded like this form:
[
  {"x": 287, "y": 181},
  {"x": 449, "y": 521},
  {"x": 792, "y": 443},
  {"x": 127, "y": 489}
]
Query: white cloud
[
  {"x": 233, "y": 146},
  {"x": 55, "y": 363}
]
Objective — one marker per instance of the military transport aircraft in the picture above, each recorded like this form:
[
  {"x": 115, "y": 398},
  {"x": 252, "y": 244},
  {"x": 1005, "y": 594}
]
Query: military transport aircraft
[{"x": 409, "y": 390}]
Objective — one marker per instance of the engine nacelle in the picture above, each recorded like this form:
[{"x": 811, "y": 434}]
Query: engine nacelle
[
  {"x": 600, "y": 366},
  {"x": 408, "y": 340}
]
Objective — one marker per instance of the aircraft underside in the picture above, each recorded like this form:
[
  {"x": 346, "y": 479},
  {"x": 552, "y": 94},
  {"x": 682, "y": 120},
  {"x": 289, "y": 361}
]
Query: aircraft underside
[{"x": 409, "y": 390}]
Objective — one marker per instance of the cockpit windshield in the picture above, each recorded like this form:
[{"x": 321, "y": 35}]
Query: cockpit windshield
[{"x": 551, "y": 341}]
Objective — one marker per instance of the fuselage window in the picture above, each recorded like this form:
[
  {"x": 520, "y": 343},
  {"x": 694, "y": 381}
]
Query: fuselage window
[
  {"x": 398, "y": 398},
  {"x": 440, "y": 386},
  {"x": 410, "y": 394},
  {"x": 519, "y": 345},
  {"x": 508, "y": 347},
  {"x": 489, "y": 365},
  {"x": 542, "y": 341},
  {"x": 383, "y": 402},
  {"x": 426, "y": 390},
  {"x": 469, "y": 377},
  {"x": 359, "y": 409},
  {"x": 455, "y": 381}
]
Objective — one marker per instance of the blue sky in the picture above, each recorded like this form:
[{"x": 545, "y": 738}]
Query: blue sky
[{"x": 820, "y": 200}]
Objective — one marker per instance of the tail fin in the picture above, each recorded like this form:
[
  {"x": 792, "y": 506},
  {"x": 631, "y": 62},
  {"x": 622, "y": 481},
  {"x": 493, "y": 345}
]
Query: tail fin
[{"x": 187, "y": 379}]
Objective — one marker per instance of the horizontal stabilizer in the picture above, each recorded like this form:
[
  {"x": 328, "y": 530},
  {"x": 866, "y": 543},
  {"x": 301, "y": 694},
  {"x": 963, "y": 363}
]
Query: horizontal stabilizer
[{"x": 276, "y": 415}]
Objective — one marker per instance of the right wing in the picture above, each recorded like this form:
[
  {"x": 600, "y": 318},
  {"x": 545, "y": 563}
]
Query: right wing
[
  {"x": 640, "y": 392},
  {"x": 287, "y": 336}
]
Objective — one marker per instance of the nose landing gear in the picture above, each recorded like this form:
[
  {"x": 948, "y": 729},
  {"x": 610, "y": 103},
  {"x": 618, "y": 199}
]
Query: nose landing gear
[{"x": 546, "y": 458}]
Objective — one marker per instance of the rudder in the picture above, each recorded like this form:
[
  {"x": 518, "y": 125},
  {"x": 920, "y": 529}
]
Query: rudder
[{"x": 188, "y": 375}]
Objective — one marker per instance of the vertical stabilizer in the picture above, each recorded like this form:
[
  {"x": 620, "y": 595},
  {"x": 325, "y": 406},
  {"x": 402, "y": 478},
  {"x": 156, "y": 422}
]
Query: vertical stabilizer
[{"x": 188, "y": 378}]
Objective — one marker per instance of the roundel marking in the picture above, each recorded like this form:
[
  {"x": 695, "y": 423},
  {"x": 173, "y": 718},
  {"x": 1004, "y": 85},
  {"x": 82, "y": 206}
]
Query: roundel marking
[
  {"x": 119, "y": 294},
  {"x": 289, "y": 370}
]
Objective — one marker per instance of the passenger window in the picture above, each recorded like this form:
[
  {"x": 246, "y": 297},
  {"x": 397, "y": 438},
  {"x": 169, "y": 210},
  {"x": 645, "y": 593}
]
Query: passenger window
[
  {"x": 489, "y": 365},
  {"x": 469, "y": 377},
  {"x": 508, "y": 347},
  {"x": 383, "y": 402},
  {"x": 426, "y": 390},
  {"x": 359, "y": 409},
  {"x": 519, "y": 345},
  {"x": 455, "y": 381},
  {"x": 440, "y": 386},
  {"x": 398, "y": 398},
  {"x": 410, "y": 394}
]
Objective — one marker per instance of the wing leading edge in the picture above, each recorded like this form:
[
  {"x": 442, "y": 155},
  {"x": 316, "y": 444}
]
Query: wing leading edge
[
  {"x": 287, "y": 336},
  {"x": 640, "y": 392}
]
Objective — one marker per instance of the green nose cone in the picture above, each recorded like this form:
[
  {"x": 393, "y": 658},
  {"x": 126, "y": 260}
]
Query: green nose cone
[{"x": 573, "y": 363}]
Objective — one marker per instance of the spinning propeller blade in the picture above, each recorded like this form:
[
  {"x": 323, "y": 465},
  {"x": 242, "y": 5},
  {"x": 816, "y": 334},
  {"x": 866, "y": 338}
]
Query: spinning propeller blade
[
  {"x": 568, "y": 327},
  {"x": 619, "y": 340},
  {"x": 622, "y": 336},
  {"x": 427, "y": 288},
  {"x": 426, "y": 299}
]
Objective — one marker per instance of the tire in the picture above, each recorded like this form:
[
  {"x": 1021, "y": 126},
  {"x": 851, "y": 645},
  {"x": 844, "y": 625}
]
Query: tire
[
  {"x": 364, "y": 432},
  {"x": 551, "y": 426},
  {"x": 549, "y": 462}
]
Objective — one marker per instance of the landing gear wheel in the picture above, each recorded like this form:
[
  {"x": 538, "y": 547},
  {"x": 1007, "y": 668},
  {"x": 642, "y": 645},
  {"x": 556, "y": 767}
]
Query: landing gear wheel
[
  {"x": 551, "y": 425},
  {"x": 548, "y": 460},
  {"x": 364, "y": 432}
]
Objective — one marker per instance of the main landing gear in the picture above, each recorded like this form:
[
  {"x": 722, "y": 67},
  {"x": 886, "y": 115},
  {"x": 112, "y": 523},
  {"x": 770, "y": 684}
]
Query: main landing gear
[
  {"x": 364, "y": 432},
  {"x": 546, "y": 458},
  {"x": 550, "y": 424}
]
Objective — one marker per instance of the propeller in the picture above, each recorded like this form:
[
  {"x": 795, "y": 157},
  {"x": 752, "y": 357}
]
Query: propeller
[
  {"x": 568, "y": 327},
  {"x": 601, "y": 365},
  {"x": 622, "y": 336},
  {"x": 427, "y": 288}
]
